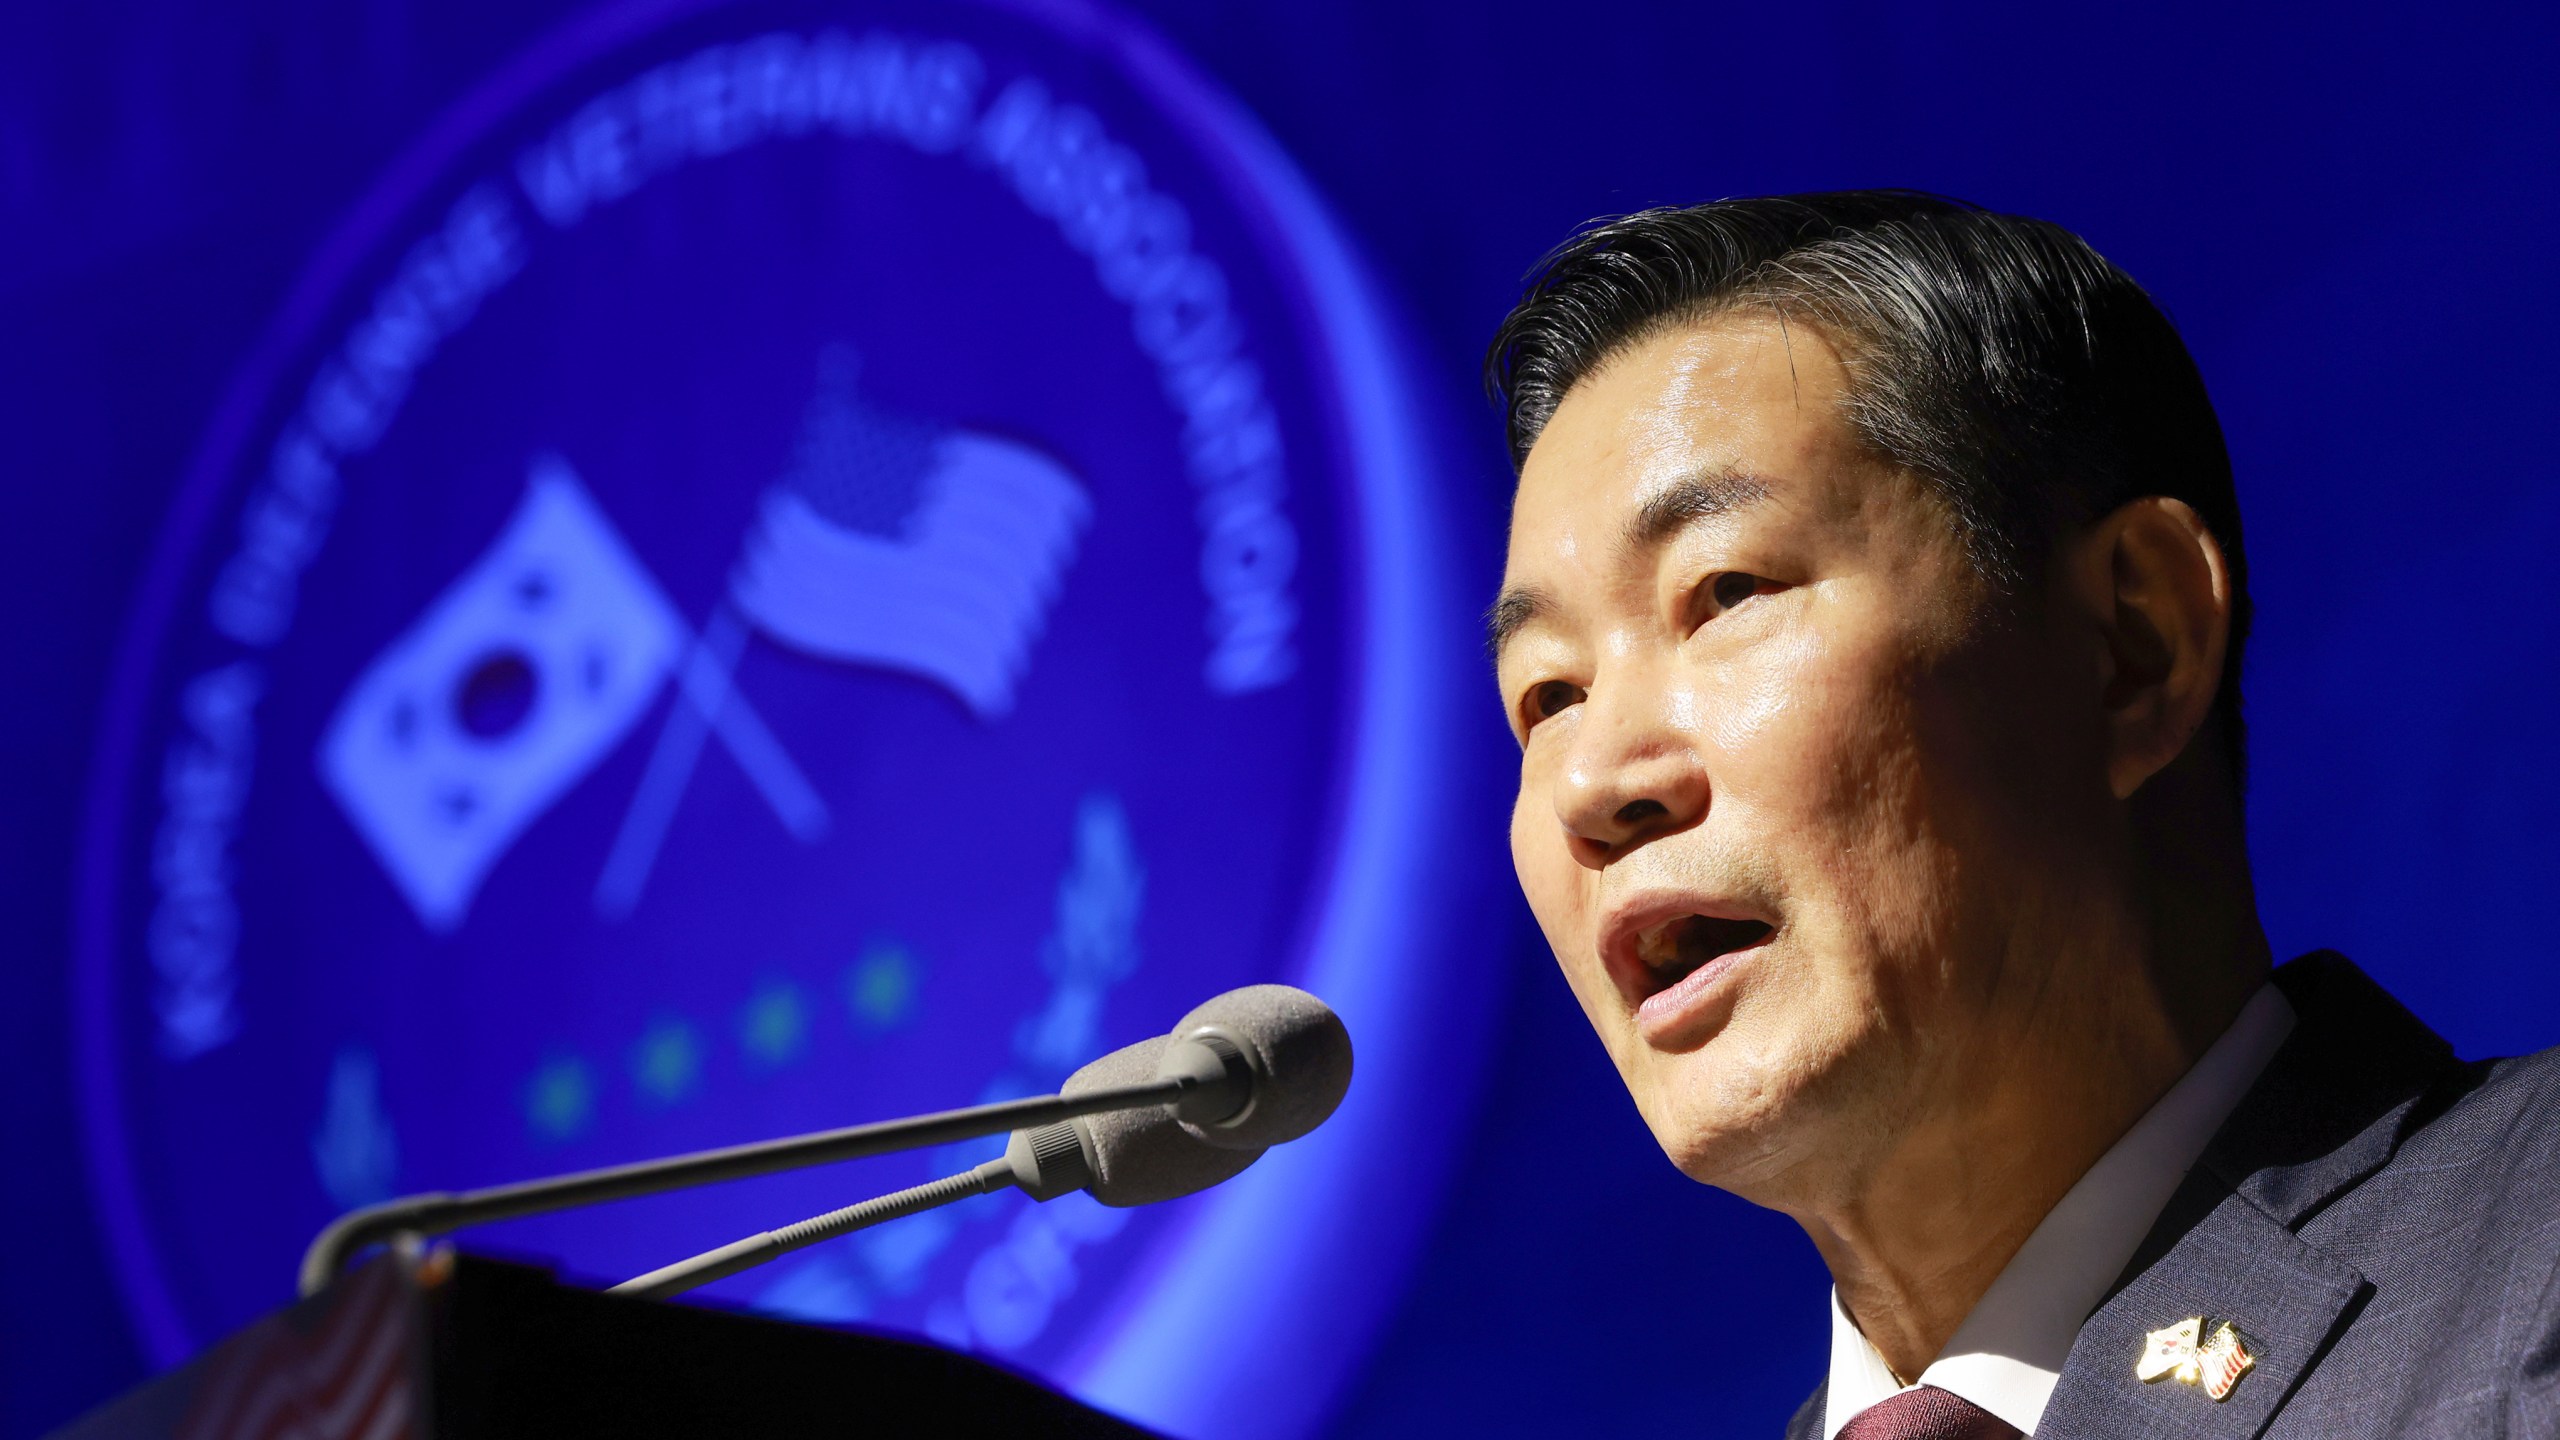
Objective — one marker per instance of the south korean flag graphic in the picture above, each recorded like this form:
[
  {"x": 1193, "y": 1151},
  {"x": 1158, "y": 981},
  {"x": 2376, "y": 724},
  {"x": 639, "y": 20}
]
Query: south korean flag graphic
[{"x": 516, "y": 681}]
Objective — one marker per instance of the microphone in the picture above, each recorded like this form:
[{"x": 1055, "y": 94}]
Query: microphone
[
  {"x": 1294, "y": 1054},
  {"x": 1256, "y": 1067},
  {"x": 1270, "y": 1062},
  {"x": 1123, "y": 1158},
  {"x": 1248, "y": 1038}
]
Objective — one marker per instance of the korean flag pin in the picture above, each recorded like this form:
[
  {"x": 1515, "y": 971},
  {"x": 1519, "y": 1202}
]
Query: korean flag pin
[{"x": 2211, "y": 1362}]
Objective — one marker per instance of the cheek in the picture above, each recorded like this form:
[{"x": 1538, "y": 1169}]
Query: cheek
[
  {"x": 1761, "y": 707},
  {"x": 1557, "y": 888},
  {"x": 1782, "y": 724},
  {"x": 1823, "y": 747},
  {"x": 1539, "y": 858},
  {"x": 1894, "y": 846}
]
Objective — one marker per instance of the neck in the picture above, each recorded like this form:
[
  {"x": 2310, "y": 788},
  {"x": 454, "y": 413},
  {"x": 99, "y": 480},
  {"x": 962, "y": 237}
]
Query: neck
[{"x": 1937, "y": 1209}]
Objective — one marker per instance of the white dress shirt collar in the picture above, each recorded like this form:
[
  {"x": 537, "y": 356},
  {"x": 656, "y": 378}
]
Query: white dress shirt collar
[{"x": 2009, "y": 1351}]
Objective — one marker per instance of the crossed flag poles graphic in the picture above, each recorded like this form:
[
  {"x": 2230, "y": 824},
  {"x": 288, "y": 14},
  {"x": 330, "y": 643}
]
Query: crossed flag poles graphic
[
  {"x": 889, "y": 543},
  {"x": 708, "y": 703},
  {"x": 961, "y": 603}
]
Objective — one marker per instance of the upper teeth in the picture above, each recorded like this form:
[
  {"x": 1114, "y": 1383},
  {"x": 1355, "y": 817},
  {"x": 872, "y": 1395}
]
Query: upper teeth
[{"x": 1659, "y": 945}]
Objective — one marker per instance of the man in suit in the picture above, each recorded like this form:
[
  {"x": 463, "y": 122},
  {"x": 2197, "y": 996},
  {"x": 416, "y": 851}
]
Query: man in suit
[{"x": 1871, "y": 630}]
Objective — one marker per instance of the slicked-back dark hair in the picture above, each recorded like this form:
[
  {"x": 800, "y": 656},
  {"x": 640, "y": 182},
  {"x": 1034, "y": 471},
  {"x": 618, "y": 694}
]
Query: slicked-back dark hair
[{"x": 2031, "y": 384}]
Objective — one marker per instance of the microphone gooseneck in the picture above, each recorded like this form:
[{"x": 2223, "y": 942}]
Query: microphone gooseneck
[
  {"x": 438, "y": 1213},
  {"x": 755, "y": 1250},
  {"x": 1153, "y": 1121},
  {"x": 1127, "y": 1157}
]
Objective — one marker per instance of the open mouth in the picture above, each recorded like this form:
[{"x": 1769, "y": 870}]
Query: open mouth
[{"x": 1680, "y": 946}]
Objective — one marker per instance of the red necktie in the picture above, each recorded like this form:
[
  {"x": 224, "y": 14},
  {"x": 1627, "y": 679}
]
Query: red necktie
[{"x": 1927, "y": 1413}]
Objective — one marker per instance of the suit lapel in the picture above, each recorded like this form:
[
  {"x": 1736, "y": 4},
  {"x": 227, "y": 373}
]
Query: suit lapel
[
  {"x": 2238, "y": 1265},
  {"x": 2337, "y": 1099},
  {"x": 1812, "y": 1414},
  {"x": 2351, "y": 1081}
]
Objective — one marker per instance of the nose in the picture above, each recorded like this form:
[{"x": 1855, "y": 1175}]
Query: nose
[{"x": 1632, "y": 774}]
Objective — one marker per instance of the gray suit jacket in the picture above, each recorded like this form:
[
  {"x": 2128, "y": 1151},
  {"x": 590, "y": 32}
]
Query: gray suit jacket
[{"x": 2381, "y": 1220}]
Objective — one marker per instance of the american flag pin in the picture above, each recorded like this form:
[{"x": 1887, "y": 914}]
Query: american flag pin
[
  {"x": 2213, "y": 1362},
  {"x": 2225, "y": 1359}
]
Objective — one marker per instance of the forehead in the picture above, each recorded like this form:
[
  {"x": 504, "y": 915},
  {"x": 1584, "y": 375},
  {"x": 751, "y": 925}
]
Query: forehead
[{"x": 1736, "y": 395}]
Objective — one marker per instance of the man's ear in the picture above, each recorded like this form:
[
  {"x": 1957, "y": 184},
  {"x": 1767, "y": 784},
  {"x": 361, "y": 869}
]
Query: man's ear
[{"x": 2159, "y": 588}]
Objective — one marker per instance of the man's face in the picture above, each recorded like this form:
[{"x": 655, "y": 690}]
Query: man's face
[{"x": 1787, "y": 783}]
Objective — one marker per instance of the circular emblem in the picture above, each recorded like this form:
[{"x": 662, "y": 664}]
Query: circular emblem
[{"x": 792, "y": 564}]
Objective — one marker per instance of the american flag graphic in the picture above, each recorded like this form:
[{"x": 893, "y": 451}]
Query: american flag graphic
[
  {"x": 905, "y": 545},
  {"x": 2185, "y": 1353},
  {"x": 2224, "y": 1360},
  {"x": 342, "y": 1367}
]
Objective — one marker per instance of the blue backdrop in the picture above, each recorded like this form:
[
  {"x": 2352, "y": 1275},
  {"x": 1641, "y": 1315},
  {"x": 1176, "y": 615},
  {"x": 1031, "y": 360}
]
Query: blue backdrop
[{"x": 2347, "y": 215}]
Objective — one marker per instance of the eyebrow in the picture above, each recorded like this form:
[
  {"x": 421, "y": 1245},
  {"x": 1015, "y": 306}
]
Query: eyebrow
[
  {"x": 1690, "y": 499},
  {"x": 1517, "y": 608},
  {"x": 1666, "y": 513}
]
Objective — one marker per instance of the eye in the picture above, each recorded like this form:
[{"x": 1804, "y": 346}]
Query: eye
[
  {"x": 1733, "y": 587},
  {"x": 1548, "y": 698}
]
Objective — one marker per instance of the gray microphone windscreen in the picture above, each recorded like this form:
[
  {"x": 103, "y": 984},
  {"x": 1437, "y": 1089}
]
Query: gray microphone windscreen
[
  {"x": 1142, "y": 1156},
  {"x": 1301, "y": 1059}
]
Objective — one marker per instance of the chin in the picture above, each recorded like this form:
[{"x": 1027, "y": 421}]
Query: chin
[
  {"x": 1711, "y": 1128},
  {"x": 1763, "y": 1166},
  {"x": 1771, "y": 1130}
]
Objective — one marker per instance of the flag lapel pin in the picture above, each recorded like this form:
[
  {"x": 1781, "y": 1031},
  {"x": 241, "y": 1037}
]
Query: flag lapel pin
[{"x": 2212, "y": 1362}]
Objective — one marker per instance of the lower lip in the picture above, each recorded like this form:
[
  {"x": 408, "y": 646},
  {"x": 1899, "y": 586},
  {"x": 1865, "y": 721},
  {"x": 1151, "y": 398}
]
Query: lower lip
[{"x": 1667, "y": 1014}]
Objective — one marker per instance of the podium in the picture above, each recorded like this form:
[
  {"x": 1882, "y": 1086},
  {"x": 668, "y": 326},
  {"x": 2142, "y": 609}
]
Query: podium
[{"x": 453, "y": 1347}]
